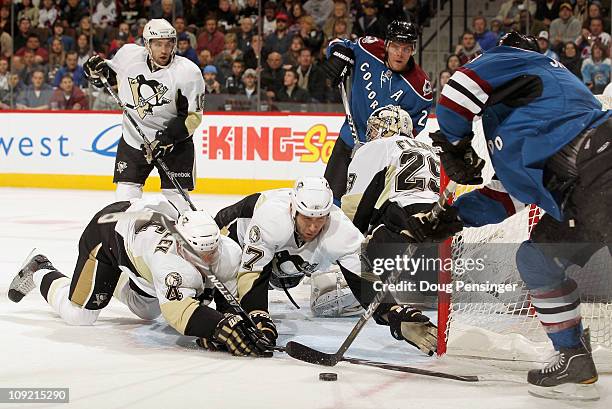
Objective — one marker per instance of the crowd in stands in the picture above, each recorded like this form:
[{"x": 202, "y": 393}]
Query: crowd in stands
[
  {"x": 573, "y": 33},
  {"x": 44, "y": 44}
]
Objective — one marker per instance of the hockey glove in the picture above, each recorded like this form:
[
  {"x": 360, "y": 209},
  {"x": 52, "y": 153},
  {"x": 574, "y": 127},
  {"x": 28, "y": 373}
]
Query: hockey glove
[
  {"x": 422, "y": 227},
  {"x": 265, "y": 324},
  {"x": 339, "y": 64},
  {"x": 231, "y": 332},
  {"x": 159, "y": 147},
  {"x": 94, "y": 68},
  {"x": 460, "y": 162},
  {"x": 410, "y": 325}
]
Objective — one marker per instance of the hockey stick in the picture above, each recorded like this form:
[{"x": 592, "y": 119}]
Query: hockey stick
[
  {"x": 159, "y": 161},
  {"x": 349, "y": 118},
  {"x": 307, "y": 354},
  {"x": 169, "y": 225}
]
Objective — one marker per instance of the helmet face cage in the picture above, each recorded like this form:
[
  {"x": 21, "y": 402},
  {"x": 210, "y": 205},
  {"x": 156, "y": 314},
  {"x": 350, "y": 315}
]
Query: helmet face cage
[
  {"x": 159, "y": 29},
  {"x": 388, "y": 121},
  {"x": 311, "y": 197}
]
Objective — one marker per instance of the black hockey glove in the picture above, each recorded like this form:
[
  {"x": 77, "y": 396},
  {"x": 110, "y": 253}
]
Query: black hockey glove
[
  {"x": 421, "y": 229},
  {"x": 460, "y": 162},
  {"x": 232, "y": 332},
  {"x": 265, "y": 324},
  {"x": 159, "y": 147},
  {"x": 339, "y": 64},
  {"x": 410, "y": 325},
  {"x": 96, "y": 67}
]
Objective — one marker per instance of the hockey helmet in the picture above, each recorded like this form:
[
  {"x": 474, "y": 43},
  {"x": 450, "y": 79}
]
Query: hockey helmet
[
  {"x": 200, "y": 230},
  {"x": 311, "y": 197},
  {"x": 402, "y": 32},
  {"x": 387, "y": 121},
  {"x": 518, "y": 40},
  {"x": 158, "y": 28}
]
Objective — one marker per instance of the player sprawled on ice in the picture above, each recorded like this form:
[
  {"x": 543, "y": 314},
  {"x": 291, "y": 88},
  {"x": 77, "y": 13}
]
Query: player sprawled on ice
[
  {"x": 549, "y": 143},
  {"x": 393, "y": 182},
  {"x": 289, "y": 233},
  {"x": 384, "y": 72},
  {"x": 164, "y": 93},
  {"x": 159, "y": 276}
]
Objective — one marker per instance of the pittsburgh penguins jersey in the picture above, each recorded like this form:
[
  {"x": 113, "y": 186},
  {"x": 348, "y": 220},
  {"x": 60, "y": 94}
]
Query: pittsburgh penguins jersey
[
  {"x": 270, "y": 245},
  {"x": 373, "y": 85},
  {"x": 150, "y": 96},
  {"x": 153, "y": 264},
  {"x": 396, "y": 169}
]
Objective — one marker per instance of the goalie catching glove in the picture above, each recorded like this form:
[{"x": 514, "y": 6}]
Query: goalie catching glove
[
  {"x": 410, "y": 325},
  {"x": 460, "y": 162},
  {"x": 423, "y": 227},
  {"x": 339, "y": 64}
]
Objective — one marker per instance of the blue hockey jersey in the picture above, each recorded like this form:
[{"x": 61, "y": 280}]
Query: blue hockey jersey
[
  {"x": 531, "y": 106},
  {"x": 374, "y": 85}
]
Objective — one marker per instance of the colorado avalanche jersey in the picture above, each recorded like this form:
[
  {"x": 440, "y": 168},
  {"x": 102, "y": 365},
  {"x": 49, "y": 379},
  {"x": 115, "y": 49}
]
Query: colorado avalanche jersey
[
  {"x": 531, "y": 106},
  {"x": 374, "y": 86},
  {"x": 150, "y": 96},
  {"x": 396, "y": 169}
]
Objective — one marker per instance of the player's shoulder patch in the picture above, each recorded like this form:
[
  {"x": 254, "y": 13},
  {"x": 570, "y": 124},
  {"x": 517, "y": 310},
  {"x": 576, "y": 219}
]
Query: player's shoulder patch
[
  {"x": 373, "y": 46},
  {"x": 271, "y": 223},
  {"x": 419, "y": 81}
]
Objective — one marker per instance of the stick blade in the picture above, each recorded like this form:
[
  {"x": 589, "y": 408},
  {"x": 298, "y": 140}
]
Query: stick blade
[
  {"x": 307, "y": 354},
  {"x": 115, "y": 217}
]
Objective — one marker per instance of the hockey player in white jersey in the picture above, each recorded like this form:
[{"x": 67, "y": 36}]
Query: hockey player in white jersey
[
  {"x": 164, "y": 93},
  {"x": 286, "y": 234},
  {"x": 159, "y": 276}
]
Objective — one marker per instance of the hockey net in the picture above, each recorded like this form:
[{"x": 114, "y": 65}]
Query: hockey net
[{"x": 503, "y": 328}]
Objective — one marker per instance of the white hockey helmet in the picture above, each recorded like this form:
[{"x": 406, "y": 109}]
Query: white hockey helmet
[
  {"x": 200, "y": 230},
  {"x": 387, "y": 121},
  {"x": 311, "y": 197},
  {"x": 158, "y": 28}
]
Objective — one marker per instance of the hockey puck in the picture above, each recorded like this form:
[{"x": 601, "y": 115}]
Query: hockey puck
[{"x": 328, "y": 376}]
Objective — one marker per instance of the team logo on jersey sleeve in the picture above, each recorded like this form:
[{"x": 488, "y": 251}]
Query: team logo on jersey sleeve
[
  {"x": 427, "y": 88},
  {"x": 146, "y": 94},
  {"x": 254, "y": 234},
  {"x": 173, "y": 282}
]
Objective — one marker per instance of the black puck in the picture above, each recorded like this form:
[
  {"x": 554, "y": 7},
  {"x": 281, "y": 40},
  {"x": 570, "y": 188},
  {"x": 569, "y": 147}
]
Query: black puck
[{"x": 328, "y": 376}]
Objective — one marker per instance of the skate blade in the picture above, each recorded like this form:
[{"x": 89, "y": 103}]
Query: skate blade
[{"x": 566, "y": 391}]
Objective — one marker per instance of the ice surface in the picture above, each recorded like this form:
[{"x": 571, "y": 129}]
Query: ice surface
[{"x": 124, "y": 362}]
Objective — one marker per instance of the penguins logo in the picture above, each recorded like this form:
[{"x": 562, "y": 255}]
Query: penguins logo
[
  {"x": 173, "y": 282},
  {"x": 146, "y": 95}
]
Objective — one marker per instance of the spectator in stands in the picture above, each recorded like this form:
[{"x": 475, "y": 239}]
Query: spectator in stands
[
  {"x": 468, "y": 49},
  {"x": 251, "y": 9},
  {"x": 452, "y": 63},
  {"x": 484, "y": 37},
  {"x": 131, "y": 12},
  {"x": 210, "y": 80},
  {"x": 249, "y": 79},
  {"x": 254, "y": 55},
  {"x": 58, "y": 32},
  {"x": 225, "y": 15},
  {"x": 547, "y": 11},
  {"x": 596, "y": 69},
  {"x": 279, "y": 40},
  {"x": 581, "y": 10},
  {"x": 105, "y": 11},
  {"x": 73, "y": 11},
  {"x": 320, "y": 10},
  {"x": 310, "y": 77},
  {"x": 23, "y": 32},
  {"x": 591, "y": 34},
  {"x": 67, "y": 96},
  {"x": 86, "y": 28},
  {"x": 5, "y": 19},
  {"x": 233, "y": 83},
  {"x": 570, "y": 58},
  {"x": 527, "y": 25},
  {"x": 57, "y": 56},
  {"x": 224, "y": 60},
  {"x": 312, "y": 36},
  {"x": 340, "y": 12},
  {"x": 297, "y": 12},
  {"x": 195, "y": 12},
  {"x": 497, "y": 28},
  {"x": 6, "y": 45},
  {"x": 117, "y": 43},
  {"x": 245, "y": 33},
  {"x": 7, "y": 96},
  {"x": 543, "y": 46},
  {"x": 565, "y": 28},
  {"x": 184, "y": 49},
  {"x": 4, "y": 74},
  {"x": 509, "y": 12},
  {"x": 83, "y": 49},
  {"x": 290, "y": 58},
  {"x": 340, "y": 30},
  {"x": 28, "y": 66},
  {"x": 41, "y": 56},
  {"x": 290, "y": 91},
  {"x": 269, "y": 20},
  {"x": 211, "y": 38},
  {"x": 72, "y": 67},
  {"x": 369, "y": 24},
  {"x": 47, "y": 14},
  {"x": 443, "y": 78},
  {"x": 179, "y": 25},
  {"x": 272, "y": 74},
  {"x": 204, "y": 58},
  {"x": 26, "y": 9},
  {"x": 594, "y": 10},
  {"x": 37, "y": 95},
  {"x": 166, "y": 9}
]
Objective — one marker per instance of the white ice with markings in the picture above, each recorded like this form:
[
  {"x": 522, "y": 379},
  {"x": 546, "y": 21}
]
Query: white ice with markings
[{"x": 124, "y": 362}]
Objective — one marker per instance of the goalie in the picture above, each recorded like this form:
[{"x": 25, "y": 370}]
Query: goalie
[{"x": 159, "y": 276}]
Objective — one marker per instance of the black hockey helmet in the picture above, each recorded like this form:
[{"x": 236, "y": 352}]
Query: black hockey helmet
[
  {"x": 402, "y": 31},
  {"x": 518, "y": 40}
]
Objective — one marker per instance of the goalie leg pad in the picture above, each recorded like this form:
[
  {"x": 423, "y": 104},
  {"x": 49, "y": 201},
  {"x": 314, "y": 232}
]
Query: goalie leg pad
[{"x": 330, "y": 296}]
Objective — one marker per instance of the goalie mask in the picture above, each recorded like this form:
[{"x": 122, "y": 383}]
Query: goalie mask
[
  {"x": 202, "y": 232},
  {"x": 388, "y": 121},
  {"x": 159, "y": 29}
]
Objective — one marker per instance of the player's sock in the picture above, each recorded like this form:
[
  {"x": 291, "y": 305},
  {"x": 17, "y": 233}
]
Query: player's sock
[{"x": 128, "y": 191}]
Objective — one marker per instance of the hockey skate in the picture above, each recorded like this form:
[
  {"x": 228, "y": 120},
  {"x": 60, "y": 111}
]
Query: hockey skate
[
  {"x": 23, "y": 282},
  {"x": 570, "y": 376}
]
